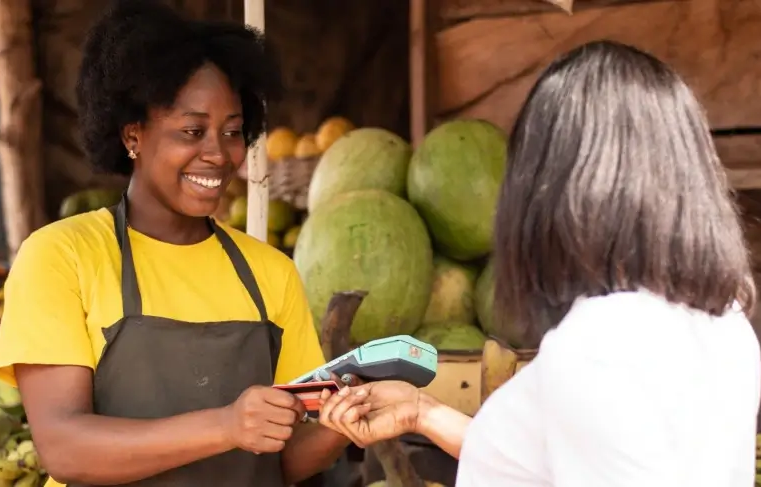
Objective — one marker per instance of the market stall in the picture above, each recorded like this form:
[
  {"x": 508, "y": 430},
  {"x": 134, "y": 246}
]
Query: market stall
[{"x": 387, "y": 74}]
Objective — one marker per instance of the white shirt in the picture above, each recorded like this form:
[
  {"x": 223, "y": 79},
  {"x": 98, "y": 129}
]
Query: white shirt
[{"x": 628, "y": 391}]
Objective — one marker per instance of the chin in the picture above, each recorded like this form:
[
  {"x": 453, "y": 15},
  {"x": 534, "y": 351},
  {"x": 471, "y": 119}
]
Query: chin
[{"x": 198, "y": 208}]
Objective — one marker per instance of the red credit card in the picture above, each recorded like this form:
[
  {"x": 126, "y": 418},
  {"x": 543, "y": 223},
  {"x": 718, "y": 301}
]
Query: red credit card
[{"x": 309, "y": 392}]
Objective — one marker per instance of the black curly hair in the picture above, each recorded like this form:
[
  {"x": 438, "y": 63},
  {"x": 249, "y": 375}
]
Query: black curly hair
[{"x": 140, "y": 53}]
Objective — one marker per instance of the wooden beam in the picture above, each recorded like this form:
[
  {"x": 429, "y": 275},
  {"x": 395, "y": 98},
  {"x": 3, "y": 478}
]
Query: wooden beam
[
  {"x": 741, "y": 155},
  {"x": 20, "y": 125},
  {"x": 486, "y": 67},
  {"x": 457, "y": 10},
  {"x": 422, "y": 66},
  {"x": 256, "y": 160}
]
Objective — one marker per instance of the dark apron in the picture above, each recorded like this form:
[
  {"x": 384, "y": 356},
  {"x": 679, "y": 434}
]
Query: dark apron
[{"x": 154, "y": 367}]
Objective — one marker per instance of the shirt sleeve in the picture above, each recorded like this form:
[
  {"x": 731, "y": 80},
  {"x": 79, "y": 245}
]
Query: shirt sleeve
[
  {"x": 43, "y": 319},
  {"x": 602, "y": 424},
  {"x": 301, "y": 351}
]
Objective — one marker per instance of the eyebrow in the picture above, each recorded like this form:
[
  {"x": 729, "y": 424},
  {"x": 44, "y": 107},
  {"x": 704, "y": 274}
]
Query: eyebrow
[{"x": 206, "y": 115}]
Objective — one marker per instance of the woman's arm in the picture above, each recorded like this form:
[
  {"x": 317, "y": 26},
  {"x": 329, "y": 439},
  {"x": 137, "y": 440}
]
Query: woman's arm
[
  {"x": 441, "y": 424},
  {"x": 77, "y": 446},
  {"x": 388, "y": 409}
]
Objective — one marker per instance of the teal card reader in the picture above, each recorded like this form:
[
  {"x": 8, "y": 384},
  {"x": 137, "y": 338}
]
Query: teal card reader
[{"x": 400, "y": 357}]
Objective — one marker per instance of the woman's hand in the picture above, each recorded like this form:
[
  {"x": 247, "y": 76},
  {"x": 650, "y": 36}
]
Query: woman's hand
[
  {"x": 372, "y": 412},
  {"x": 261, "y": 420}
]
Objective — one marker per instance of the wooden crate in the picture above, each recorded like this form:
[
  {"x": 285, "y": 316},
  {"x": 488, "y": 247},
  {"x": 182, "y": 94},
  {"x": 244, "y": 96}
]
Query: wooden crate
[{"x": 479, "y": 58}]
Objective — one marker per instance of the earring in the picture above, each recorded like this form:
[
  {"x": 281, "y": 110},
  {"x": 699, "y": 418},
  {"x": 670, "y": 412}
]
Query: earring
[{"x": 131, "y": 154}]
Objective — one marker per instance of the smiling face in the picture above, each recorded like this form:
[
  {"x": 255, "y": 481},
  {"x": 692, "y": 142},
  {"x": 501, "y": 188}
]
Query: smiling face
[{"x": 188, "y": 154}]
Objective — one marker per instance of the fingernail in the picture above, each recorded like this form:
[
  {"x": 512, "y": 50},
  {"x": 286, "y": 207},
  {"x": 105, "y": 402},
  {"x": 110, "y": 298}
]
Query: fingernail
[
  {"x": 324, "y": 374},
  {"x": 361, "y": 392},
  {"x": 305, "y": 418},
  {"x": 346, "y": 379},
  {"x": 344, "y": 391}
]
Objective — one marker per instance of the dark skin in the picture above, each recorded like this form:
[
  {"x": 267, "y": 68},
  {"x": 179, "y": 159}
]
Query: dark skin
[{"x": 201, "y": 137}]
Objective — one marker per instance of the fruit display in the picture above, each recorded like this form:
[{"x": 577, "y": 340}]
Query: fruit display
[
  {"x": 413, "y": 228},
  {"x": 283, "y": 142},
  {"x": 454, "y": 181},
  {"x": 452, "y": 336},
  {"x": 371, "y": 240},
  {"x": 88, "y": 200},
  {"x": 19, "y": 462},
  {"x": 283, "y": 220},
  {"x": 366, "y": 158},
  {"x": 452, "y": 292}
]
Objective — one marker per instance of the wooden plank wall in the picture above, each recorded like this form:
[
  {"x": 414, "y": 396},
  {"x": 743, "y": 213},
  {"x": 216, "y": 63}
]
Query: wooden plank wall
[{"x": 488, "y": 53}]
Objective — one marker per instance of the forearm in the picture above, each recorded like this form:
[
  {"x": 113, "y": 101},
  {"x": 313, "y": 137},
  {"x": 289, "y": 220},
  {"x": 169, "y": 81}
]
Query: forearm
[
  {"x": 102, "y": 450},
  {"x": 312, "y": 449},
  {"x": 441, "y": 424}
]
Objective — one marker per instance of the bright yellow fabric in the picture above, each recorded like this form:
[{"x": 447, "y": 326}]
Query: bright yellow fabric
[{"x": 64, "y": 287}]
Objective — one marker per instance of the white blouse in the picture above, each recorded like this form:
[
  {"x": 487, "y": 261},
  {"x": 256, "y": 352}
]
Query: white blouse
[{"x": 629, "y": 391}]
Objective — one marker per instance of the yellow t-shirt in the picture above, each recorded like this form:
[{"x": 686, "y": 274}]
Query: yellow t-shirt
[{"x": 65, "y": 286}]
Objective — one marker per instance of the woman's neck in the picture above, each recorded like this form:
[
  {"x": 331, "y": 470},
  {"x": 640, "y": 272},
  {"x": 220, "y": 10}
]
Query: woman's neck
[{"x": 150, "y": 217}]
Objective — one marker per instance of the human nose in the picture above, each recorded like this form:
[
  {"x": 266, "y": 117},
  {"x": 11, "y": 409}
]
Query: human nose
[{"x": 213, "y": 150}]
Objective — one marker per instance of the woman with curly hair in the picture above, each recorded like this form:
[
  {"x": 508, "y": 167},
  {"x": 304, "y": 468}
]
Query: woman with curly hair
[
  {"x": 145, "y": 338},
  {"x": 620, "y": 254}
]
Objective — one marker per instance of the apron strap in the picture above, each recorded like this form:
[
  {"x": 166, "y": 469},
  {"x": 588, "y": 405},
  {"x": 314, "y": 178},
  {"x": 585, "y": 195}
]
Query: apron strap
[
  {"x": 241, "y": 268},
  {"x": 131, "y": 299},
  {"x": 132, "y": 303}
]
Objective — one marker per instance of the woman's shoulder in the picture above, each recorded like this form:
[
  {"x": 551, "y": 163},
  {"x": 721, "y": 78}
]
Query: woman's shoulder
[
  {"x": 621, "y": 326},
  {"x": 85, "y": 232}
]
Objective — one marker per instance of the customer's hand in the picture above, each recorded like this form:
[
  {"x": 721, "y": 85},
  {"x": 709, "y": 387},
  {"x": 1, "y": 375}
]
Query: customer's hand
[
  {"x": 371, "y": 412},
  {"x": 262, "y": 419}
]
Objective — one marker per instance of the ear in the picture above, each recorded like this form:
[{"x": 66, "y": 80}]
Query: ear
[{"x": 131, "y": 137}]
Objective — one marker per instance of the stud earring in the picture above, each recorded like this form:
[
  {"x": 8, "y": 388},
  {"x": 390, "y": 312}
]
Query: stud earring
[{"x": 131, "y": 154}]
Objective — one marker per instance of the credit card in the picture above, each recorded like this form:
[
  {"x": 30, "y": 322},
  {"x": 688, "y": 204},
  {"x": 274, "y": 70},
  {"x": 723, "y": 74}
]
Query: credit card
[{"x": 309, "y": 392}]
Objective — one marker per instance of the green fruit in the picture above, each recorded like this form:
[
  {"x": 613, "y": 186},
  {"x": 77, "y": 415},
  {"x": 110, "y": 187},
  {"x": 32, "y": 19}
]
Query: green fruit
[
  {"x": 88, "y": 200},
  {"x": 373, "y": 241},
  {"x": 452, "y": 336},
  {"x": 273, "y": 239},
  {"x": 454, "y": 181},
  {"x": 485, "y": 310},
  {"x": 452, "y": 292},
  {"x": 291, "y": 237},
  {"x": 280, "y": 215},
  {"x": 10, "y": 400},
  {"x": 365, "y": 158},
  {"x": 238, "y": 213}
]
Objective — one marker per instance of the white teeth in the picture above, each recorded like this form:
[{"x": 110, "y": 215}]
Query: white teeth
[{"x": 205, "y": 182}]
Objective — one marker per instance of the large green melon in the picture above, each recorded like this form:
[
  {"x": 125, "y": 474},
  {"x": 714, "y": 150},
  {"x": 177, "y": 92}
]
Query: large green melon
[
  {"x": 454, "y": 180},
  {"x": 365, "y": 158},
  {"x": 452, "y": 336},
  {"x": 484, "y": 298},
  {"x": 374, "y": 241},
  {"x": 451, "y": 293}
]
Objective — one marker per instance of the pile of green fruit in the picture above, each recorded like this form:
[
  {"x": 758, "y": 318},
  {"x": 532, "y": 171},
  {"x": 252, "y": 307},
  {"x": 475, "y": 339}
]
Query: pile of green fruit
[
  {"x": 411, "y": 226},
  {"x": 19, "y": 463},
  {"x": 283, "y": 221}
]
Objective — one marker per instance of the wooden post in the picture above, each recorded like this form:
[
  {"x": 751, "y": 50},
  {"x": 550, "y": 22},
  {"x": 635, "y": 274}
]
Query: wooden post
[
  {"x": 20, "y": 125},
  {"x": 422, "y": 66},
  {"x": 256, "y": 162}
]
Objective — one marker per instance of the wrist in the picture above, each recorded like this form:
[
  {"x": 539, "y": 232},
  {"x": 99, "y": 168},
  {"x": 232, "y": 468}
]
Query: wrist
[
  {"x": 224, "y": 419},
  {"x": 426, "y": 411}
]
